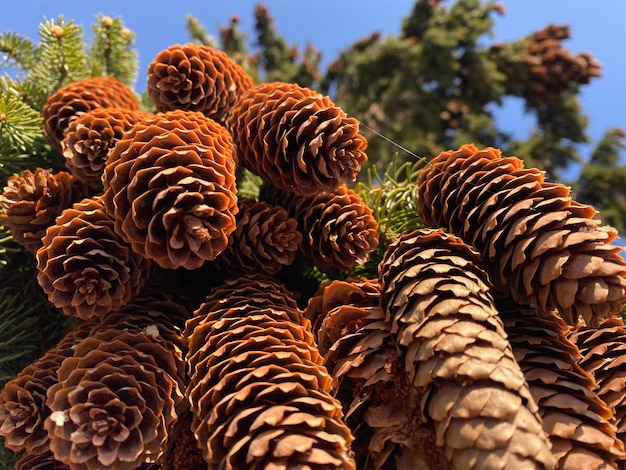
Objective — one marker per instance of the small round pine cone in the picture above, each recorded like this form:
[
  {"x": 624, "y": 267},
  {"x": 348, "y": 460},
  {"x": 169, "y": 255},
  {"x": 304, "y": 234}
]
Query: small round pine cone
[
  {"x": 265, "y": 240},
  {"x": 31, "y": 201},
  {"x": 84, "y": 266},
  {"x": 76, "y": 98},
  {"x": 537, "y": 243},
  {"x": 258, "y": 390},
  {"x": 170, "y": 186},
  {"x": 89, "y": 138},
  {"x": 296, "y": 138},
  {"x": 196, "y": 77},
  {"x": 339, "y": 229},
  {"x": 113, "y": 404}
]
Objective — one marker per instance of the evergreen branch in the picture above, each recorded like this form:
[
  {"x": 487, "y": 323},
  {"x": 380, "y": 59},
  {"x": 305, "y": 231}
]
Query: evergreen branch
[
  {"x": 199, "y": 33},
  {"x": 111, "y": 52},
  {"x": 17, "y": 51},
  {"x": 8, "y": 458}
]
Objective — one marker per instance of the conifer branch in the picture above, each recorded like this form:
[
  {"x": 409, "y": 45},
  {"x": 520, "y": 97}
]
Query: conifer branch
[
  {"x": 111, "y": 51},
  {"x": 17, "y": 51}
]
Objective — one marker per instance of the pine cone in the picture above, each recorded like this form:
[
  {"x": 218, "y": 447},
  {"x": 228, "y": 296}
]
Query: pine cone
[
  {"x": 575, "y": 418},
  {"x": 76, "y": 98},
  {"x": 89, "y": 138},
  {"x": 258, "y": 390},
  {"x": 113, "y": 404},
  {"x": 84, "y": 267},
  {"x": 382, "y": 408},
  {"x": 265, "y": 240},
  {"x": 194, "y": 77},
  {"x": 23, "y": 399},
  {"x": 603, "y": 351},
  {"x": 170, "y": 185},
  {"x": 438, "y": 302},
  {"x": 339, "y": 229},
  {"x": 296, "y": 138},
  {"x": 537, "y": 243},
  {"x": 184, "y": 453},
  {"x": 45, "y": 461},
  {"x": 31, "y": 202}
]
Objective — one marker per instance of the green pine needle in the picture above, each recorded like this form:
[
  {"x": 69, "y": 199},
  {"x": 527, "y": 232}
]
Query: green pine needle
[{"x": 16, "y": 51}]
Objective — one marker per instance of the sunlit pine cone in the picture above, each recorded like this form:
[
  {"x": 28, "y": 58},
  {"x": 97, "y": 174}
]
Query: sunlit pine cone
[
  {"x": 170, "y": 186},
  {"x": 576, "y": 419},
  {"x": 438, "y": 301},
  {"x": 296, "y": 138},
  {"x": 76, "y": 98},
  {"x": 23, "y": 407},
  {"x": 603, "y": 351},
  {"x": 265, "y": 240},
  {"x": 382, "y": 409},
  {"x": 84, "y": 266},
  {"x": 113, "y": 404},
  {"x": 536, "y": 242},
  {"x": 89, "y": 138},
  {"x": 32, "y": 200},
  {"x": 196, "y": 77},
  {"x": 339, "y": 230},
  {"x": 258, "y": 390}
]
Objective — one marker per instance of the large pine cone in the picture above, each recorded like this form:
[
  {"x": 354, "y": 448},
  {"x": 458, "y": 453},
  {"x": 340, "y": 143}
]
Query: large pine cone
[
  {"x": 537, "y": 243},
  {"x": 438, "y": 301},
  {"x": 578, "y": 423},
  {"x": 296, "y": 138},
  {"x": 603, "y": 351},
  {"x": 31, "y": 202},
  {"x": 339, "y": 229},
  {"x": 258, "y": 390},
  {"x": 76, "y": 98},
  {"x": 382, "y": 408},
  {"x": 265, "y": 240},
  {"x": 23, "y": 407},
  {"x": 85, "y": 267},
  {"x": 170, "y": 185},
  {"x": 90, "y": 137},
  {"x": 45, "y": 461},
  {"x": 113, "y": 404},
  {"x": 194, "y": 77}
]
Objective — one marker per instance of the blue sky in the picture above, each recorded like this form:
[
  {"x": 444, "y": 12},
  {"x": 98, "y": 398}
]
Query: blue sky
[{"x": 331, "y": 25}]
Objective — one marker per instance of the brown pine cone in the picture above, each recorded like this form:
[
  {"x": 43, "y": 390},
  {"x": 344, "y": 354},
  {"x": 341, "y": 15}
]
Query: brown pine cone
[
  {"x": 439, "y": 304},
  {"x": 23, "y": 407},
  {"x": 265, "y": 240},
  {"x": 537, "y": 243},
  {"x": 577, "y": 421},
  {"x": 603, "y": 351},
  {"x": 296, "y": 138},
  {"x": 170, "y": 186},
  {"x": 382, "y": 408},
  {"x": 258, "y": 390},
  {"x": 84, "y": 266},
  {"x": 114, "y": 401},
  {"x": 89, "y": 138},
  {"x": 31, "y": 202},
  {"x": 45, "y": 461},
  {"x": 339, "y": 229},
  {"x": 196, "y": 77},
  {"x": 76, "y": 98}
]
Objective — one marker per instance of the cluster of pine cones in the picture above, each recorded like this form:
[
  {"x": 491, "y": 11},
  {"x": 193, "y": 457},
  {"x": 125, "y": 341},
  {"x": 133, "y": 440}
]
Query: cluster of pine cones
[{"x": 486, "y": 341}]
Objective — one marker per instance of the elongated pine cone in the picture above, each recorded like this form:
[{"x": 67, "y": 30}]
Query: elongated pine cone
[
  {"x": 439, "y": 303},
  {"x": 76, "y": 98},
  {"x": 23, "y": 407},
  {"x": 382, "y": 408},
  {"x": 339, "y": 230},
  {"x": 84, "y": 266},
  {"x": 603, "y": 351},
  {"x": 31, "y": 202},
  {"x": 114, "y": 402},
  {"x": 196, "y": 77},
  {"x": 258, "y": 390},
  {"x": 577, "y": 421},
  {"x": 265, "y": 240},
  {"x": 537, "y": 243},
  {"x": 296, "y": 138},
  {"x": 89, "y": 138},
  {"x": 170, "y": 186}
]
